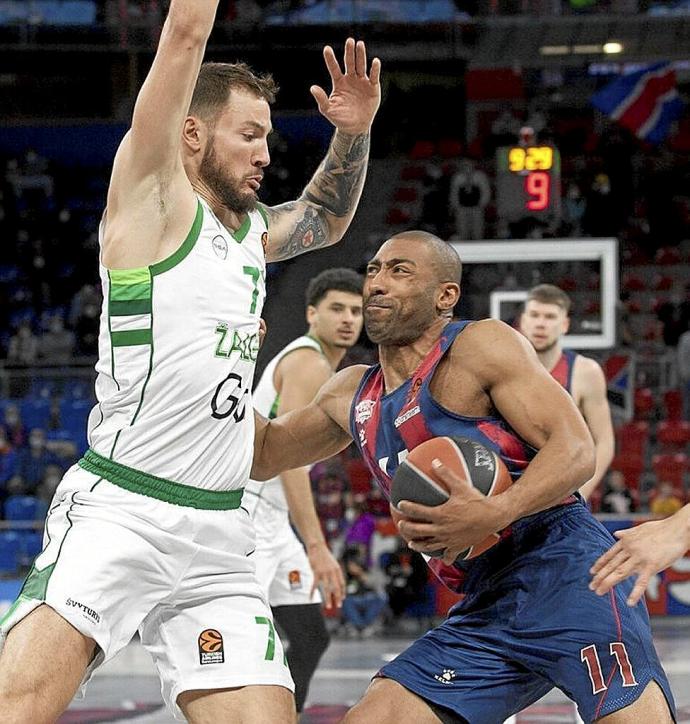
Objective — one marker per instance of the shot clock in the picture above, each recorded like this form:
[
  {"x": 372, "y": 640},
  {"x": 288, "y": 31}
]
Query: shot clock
[{"x": 528, "y": 182}]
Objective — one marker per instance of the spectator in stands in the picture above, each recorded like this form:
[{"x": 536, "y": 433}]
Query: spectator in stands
[
  {"x": 56, "y": 346},
  {"x": 14, "y": 427},
  {"x": 616, "y": 497},
  {"x": 362, "y": 605},
  {"x": 406, "y": 576},
  {"x": 329, "y": 503},
  {"x": 86, "y": 327},
  {"x": 574, "y": 208},
  {"x": 361, "y": 530},
  {"x": 684, "y": 371},
  {"x": 597, "y": 219},
  {"x": 23, "y": 349},
  {"x": 665, "y": 502},
  {"x": 32, "y": 463},
  {"x": 675, "y": 314},
  {"x": 8, "y": 460},
  {"x": 468, "y": 198},
  {"x": 377, "y": 504},
  {"x": 52, "y": 475}
]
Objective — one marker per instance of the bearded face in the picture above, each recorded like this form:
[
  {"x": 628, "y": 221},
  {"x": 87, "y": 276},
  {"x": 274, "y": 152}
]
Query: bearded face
[{"x": 224, "y": 185}]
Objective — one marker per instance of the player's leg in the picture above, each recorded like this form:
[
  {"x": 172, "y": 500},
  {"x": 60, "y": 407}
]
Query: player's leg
[
  {"x": 388, "y": 702},
  {"x": 308, "y": 638},
  {"x": 651, "y": 706},
  {"x": 42, "y": 664},
  {"x": 246, "y": 705},
  {"x": 213, "y": 641}
]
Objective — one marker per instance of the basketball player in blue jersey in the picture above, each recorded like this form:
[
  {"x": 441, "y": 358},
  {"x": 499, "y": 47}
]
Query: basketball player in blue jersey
[
  {"x": 544, "y": 321},
  {"x": 147, "y": 532},
  {"x": 528, "y": 621}
]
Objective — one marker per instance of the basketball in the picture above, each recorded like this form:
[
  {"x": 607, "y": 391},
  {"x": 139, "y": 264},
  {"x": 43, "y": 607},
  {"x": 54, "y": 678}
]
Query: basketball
[{"x": 416, "y": 480}]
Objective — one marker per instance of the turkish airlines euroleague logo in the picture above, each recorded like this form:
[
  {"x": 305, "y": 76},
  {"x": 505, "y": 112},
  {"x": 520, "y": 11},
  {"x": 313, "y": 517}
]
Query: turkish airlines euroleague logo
[{"x": 211, "y": 647}]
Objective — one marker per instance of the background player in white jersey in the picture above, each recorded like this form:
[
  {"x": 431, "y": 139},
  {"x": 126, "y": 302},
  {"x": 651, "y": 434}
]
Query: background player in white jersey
[
  {"x": 292, "y": 571},
  {"x": 147, "y": 531},
  {"x": 544, "y": 321}
]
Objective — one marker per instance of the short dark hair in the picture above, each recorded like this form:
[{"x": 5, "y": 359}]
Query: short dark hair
[
  {"x": 338, "y": 279},
  {"x": 446, "y": 260},
  {"x": 217, "y": 80},
  {"x": 549, "y": 294}
]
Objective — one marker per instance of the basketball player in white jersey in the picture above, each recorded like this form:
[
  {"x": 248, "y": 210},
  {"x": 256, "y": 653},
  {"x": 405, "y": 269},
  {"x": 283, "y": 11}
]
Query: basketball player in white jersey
[
  {"x": 292, "y": 572},
  {"x": 544, "y": 321},
  {"x": 147, "y": 533}
]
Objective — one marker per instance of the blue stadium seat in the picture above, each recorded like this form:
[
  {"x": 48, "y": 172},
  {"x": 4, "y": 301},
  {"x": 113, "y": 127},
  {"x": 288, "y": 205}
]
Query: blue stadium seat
[
  {"x": 31, "y": 544},
  {"x": 35, "y": 413},
  {"x": 24, "y": 508},
  {"x": 10, "y": 551}
]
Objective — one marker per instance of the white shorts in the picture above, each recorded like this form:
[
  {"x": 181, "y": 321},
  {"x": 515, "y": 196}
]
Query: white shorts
[
  {"x": 282, "y": 566},
  {"x": 115, "y": 562}
]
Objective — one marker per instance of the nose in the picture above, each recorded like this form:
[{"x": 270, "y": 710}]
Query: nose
[
  {"x": 263, "y": 157},
  {"x": 376, "y": 283}
]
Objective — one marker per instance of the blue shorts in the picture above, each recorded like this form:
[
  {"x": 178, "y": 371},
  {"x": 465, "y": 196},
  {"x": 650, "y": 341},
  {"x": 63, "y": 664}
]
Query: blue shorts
[{"x": 530, "y": 624}]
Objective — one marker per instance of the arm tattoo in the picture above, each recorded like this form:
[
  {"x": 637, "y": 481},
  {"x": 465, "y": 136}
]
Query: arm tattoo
[
  {"x": 309, "y": 231},
  {"x": 338, "y": 181},
  {"x": 324, "y": 211}
]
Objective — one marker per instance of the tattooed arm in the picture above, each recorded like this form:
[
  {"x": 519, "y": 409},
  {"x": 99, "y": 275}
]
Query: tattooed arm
[{"x": 327, "y": 205}]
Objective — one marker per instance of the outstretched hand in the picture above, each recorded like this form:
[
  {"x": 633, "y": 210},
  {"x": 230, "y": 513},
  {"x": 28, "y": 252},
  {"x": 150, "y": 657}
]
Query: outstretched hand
[
  {"x": 464, "y": 520},
  {"x": 643, "y": 551},
  {"x": 355, "y": 96}
]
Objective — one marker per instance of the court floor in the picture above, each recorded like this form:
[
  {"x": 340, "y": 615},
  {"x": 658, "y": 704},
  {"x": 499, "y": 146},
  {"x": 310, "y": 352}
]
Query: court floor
[{"x": 127, "y": 688}]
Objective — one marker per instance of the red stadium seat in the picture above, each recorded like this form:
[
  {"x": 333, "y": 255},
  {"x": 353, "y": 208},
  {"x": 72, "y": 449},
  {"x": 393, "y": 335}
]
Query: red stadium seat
[
  {"x": 567, "y": 284},
  {"x": 593, "y": 306},
  {"x": 422, "y": 150},
  {"x": 632, "y": 467},
  {"x": 449, "y": 148},
  {"x": 412, "y": 172},
  {"x": 405, "y": 193},
  {"x": 396, "y": 216},
  {"x": 671, "y": 467},
  {"x": 645, "y": 404},
  {"x": 633, "y": 283},
  {"x": 633, "y": 306},
  {"x": 674, "y": 435},
  {"x": 663, "y": 283},
  {"x": 632, "y": 438},
  {"x": 673, "y": 405},
  {"x": 668, "y": 255}
]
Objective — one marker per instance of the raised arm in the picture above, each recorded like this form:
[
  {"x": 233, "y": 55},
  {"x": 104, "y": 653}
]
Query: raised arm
[
  {"x": 312, "y": 433},
  {"x": 148, "y": 186},
  {"x": 327, "y": 205},
  {"x": 595, "y": 409}
]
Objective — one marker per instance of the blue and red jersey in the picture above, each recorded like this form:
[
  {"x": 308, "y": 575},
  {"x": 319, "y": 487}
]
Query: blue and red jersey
[
  {"x": 562, "y": 371},
  {"x": 386, "y": 427}
]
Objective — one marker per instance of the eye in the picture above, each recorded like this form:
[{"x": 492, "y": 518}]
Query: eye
[
  {"x": 371, "y": 270},
  {"x": 400, "y": 270},
  {"x": 248, "y": 136}
]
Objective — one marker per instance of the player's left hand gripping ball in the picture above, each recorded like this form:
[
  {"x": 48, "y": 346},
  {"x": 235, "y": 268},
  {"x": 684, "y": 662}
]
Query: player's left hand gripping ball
[
  {"x": 356, "y": 93},
  {"x": 441, "y": 498}
]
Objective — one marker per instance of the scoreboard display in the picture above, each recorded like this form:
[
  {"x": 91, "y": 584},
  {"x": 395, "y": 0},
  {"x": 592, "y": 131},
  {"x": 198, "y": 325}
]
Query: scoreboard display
[{"x": 528, "y": 182}]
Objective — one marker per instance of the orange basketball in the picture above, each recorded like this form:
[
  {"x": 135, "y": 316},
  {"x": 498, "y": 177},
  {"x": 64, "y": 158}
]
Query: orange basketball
[
  {"x": 475, "y": 464},
  {"x": 210, "y": 640}
]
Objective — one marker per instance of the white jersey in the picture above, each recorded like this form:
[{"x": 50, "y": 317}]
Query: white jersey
[
  {"x": 266, "y": 400},
  {"x": 177, "y": 348}
]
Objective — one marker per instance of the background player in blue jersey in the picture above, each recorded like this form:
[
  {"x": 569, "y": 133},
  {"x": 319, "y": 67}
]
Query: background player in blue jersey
[
  {"x": 528, "y": 621},
  {"x": 544, "y": 321}
]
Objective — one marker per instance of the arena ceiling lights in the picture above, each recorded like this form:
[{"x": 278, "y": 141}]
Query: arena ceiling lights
[{"x": 609, "y": 48}]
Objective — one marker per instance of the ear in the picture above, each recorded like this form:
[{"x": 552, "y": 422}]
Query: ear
[
  {"x": 566, "y": 325},
  {"x": 194, "y": 134},
  {"x": 311, "y": 314},
  {"x": 448, "y": 296}
]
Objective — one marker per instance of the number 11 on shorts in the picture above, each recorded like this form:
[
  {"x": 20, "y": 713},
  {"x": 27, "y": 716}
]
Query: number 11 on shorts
[{"x": 589, "y": 656}]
